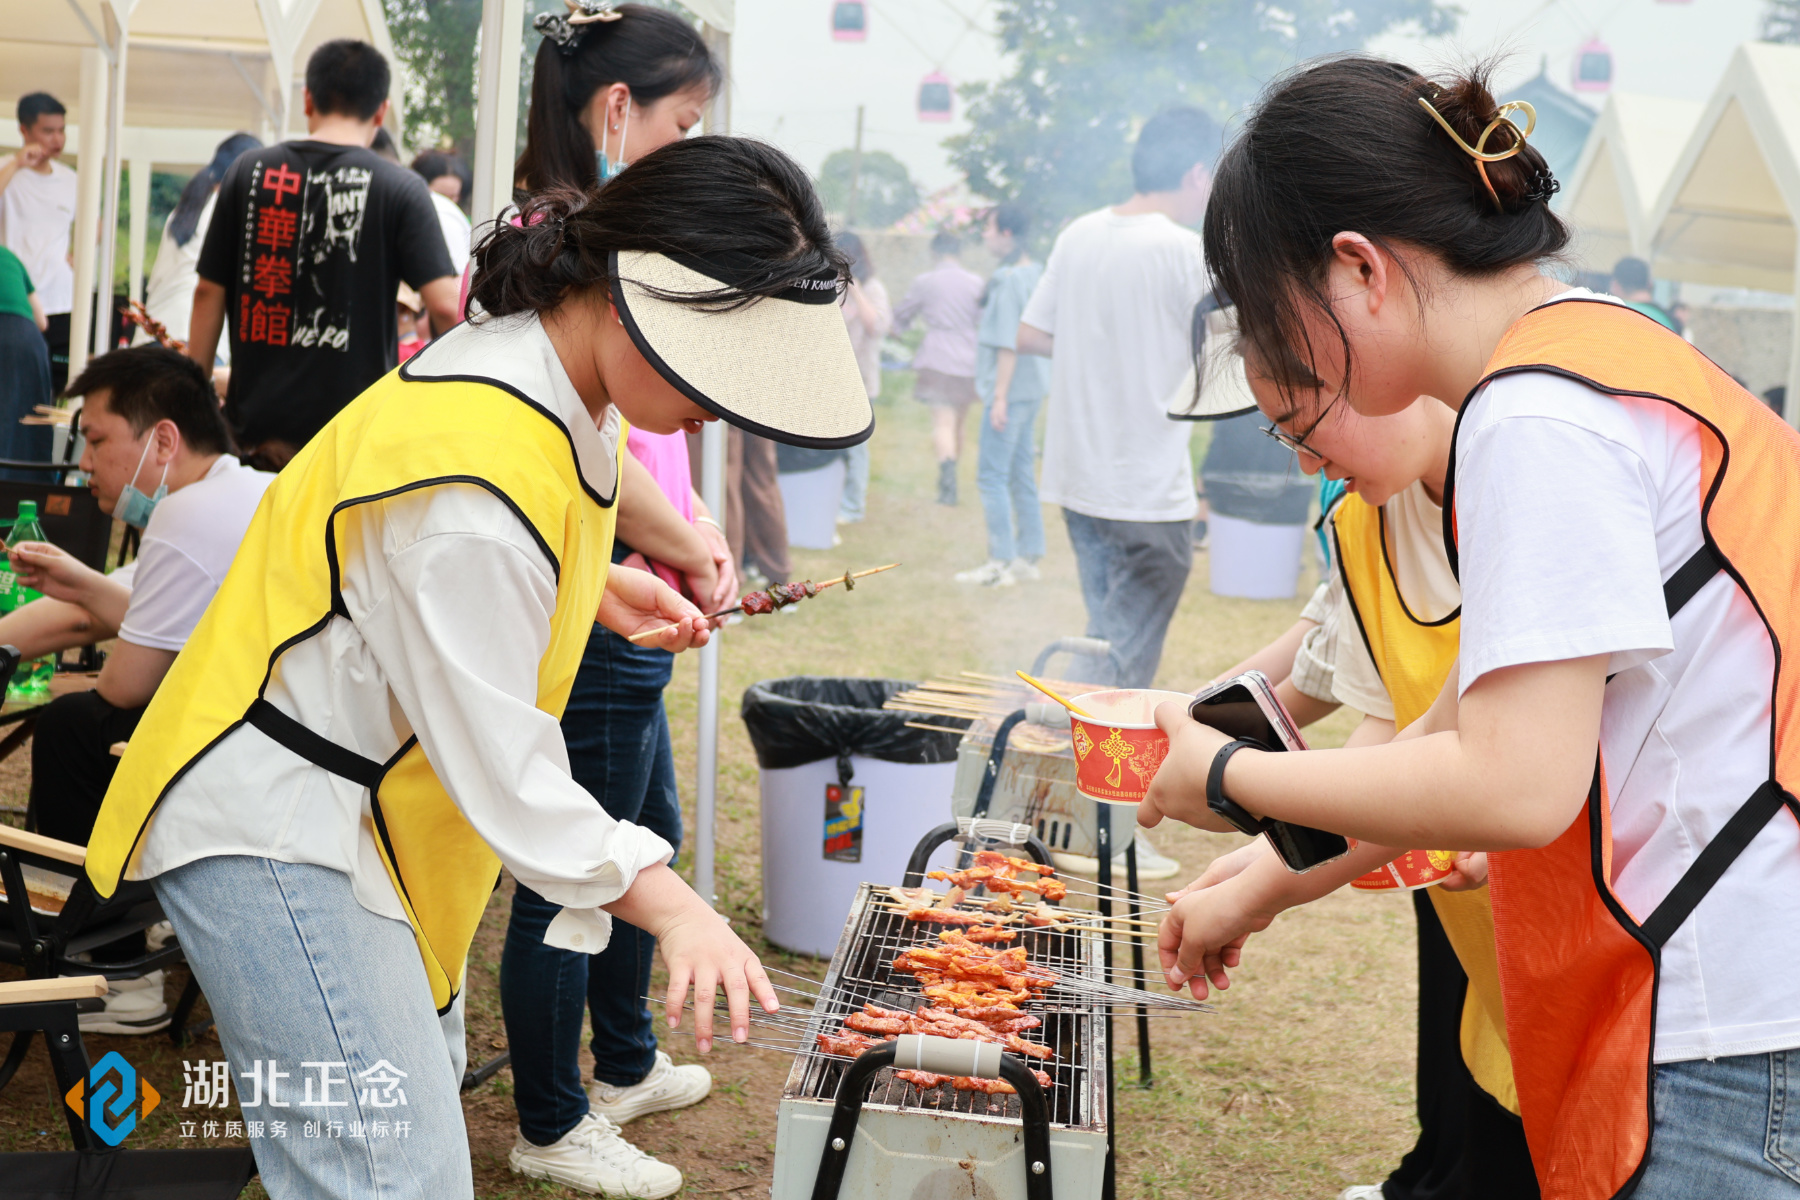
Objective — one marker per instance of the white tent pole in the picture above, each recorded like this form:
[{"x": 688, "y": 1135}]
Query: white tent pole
[
  {"x": 496, "y": 107},
  {"x": 712, "y": 490},
  {"x": 91, "y": 171},
  {"x": 138, "y": 222},
  {"x": 1791, "y": 403},
  {"x": 117, "y": 17}
]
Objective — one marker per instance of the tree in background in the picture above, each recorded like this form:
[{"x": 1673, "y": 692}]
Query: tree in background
[
  {"x": 1781, "y": 22},
  {"x": 437, "y": 40},
  {"x": 885, "y": 191},
  {"x": 1056, "y": 134}
]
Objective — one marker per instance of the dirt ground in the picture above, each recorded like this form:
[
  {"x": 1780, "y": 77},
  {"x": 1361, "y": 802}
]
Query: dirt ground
[{"x": 1298, "y": 1085}]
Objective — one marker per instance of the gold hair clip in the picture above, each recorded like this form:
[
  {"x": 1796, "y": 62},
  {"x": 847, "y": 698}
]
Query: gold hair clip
[
  {"x": 586, "y": 12},
  {"x": 1479, "y": 151}
]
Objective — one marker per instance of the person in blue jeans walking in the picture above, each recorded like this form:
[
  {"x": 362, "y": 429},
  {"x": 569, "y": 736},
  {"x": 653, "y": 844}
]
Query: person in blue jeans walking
[{"x": 1011, "y": 386}]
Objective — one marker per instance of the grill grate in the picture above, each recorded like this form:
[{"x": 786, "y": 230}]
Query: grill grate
[{"x": 861, "y": 972}]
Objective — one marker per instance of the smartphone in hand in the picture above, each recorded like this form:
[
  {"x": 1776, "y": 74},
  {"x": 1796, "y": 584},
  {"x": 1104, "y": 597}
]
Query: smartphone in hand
[{"x": 1246, "y": 707}]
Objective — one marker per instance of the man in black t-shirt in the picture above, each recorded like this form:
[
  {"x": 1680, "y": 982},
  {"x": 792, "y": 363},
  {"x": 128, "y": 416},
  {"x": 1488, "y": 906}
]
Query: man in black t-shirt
[{"x": 308, "y": 246}]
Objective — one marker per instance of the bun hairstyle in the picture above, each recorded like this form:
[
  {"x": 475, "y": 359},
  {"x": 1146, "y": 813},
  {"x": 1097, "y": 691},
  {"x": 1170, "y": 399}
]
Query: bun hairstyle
[
  {"x": 713, "y": 199},
  {"x": 1346, "y": 145},
  {"x": 650, "y": 50}
]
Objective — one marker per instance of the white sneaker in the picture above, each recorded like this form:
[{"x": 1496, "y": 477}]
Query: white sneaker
[
  {"x": 592, "y": 1157},
  {"x": 991, "y": 573},
  {"x": 667, "y": 1086},
  {"x": 1152, "y": 863},
  {"x": 158, "y": 935},
  {"x": 132, "y": 1006},
  {"x": 1361, "y": 1191},
  {"x": 1023, "y": 570}
]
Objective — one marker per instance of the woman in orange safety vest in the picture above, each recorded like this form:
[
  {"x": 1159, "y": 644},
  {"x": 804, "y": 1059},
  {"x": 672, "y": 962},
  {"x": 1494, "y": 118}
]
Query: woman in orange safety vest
[{"x": 1622, "y": 517}]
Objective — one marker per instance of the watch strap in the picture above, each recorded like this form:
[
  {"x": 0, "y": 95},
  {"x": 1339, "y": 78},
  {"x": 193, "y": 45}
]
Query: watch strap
[{"x": 1218, "y": 802}]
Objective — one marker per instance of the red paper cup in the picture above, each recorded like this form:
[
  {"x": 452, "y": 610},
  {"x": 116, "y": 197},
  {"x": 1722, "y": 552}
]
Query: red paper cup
[
  {"x": 1413, "y": 870},
  {"x": 1119, "y": 749}
]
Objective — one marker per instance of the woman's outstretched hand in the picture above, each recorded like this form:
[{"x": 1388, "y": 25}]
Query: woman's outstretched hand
[
  {"x": 1201, "y": 939},
  {"x": 1179, "y": 789},
  {"x": 701, "y": 952},
  {"x": 637, "y": 600}
]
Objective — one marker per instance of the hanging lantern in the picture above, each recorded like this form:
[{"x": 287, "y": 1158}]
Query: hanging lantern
[
  {"x": 936, "y": 100},
  {"x": 1593, "y": 67},
  {"x": 849, "y": 21}
]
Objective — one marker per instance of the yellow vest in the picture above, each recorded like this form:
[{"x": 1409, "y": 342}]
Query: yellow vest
[
  {"x": 282, "y": 588},
  {"x": 1414, "y": 657}
]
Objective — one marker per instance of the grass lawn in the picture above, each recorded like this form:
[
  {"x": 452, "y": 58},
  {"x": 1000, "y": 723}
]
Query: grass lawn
[{"x": 1298, "y": 1085}]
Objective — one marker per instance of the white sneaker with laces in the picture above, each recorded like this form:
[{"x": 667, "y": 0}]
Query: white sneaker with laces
[
  {"x": 1361, "y": 1191},
  {"x": 593, "y": 1157},
  {"x": 132, "y": 1006},
  {"x": 666, "y": 1087},
  {"x": 1152, "y": 863},
  {"x": 991, "y": 573},
  {"x": 1023, "y": 570}
]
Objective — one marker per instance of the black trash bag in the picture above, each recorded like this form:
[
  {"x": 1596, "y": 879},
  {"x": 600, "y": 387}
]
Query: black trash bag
[
  {"x": 789, "y": 459},
  {"x": 806, "y": 718}
]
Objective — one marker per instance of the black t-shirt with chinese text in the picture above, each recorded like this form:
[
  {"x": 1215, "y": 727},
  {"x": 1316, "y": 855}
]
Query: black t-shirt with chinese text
[{"x": 311, "y": 241}]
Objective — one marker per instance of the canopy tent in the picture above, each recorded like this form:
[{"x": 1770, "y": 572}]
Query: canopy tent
[
  {"x": 193, "y": 72},
  {"x": 1726, "y": 216},
  {"x": 1621, "y": 172}
]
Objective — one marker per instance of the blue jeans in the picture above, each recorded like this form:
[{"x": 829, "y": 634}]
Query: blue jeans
[
  {"x": 1729, "y": 1127},
  {"x": 856, "y": 483},
  {"x": 1007, "y": 479},
  {"x": 313, "y": 992},
  {"x": 1132, "y": 574},
  {"x": 618, "y": 738}
]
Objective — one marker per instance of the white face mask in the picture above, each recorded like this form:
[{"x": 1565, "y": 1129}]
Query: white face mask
[{"x": 134, "y": 508}]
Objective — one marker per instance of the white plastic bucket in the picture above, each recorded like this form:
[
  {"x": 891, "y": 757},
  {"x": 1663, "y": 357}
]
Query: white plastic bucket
[
  {"x": 1252, "y": 561},
  {"x": 811, "y": 499},
  {"x": 806, "y": 896}
]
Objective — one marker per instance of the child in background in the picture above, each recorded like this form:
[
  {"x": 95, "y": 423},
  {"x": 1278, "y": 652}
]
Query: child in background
[{"x": 1011, "y": 386}]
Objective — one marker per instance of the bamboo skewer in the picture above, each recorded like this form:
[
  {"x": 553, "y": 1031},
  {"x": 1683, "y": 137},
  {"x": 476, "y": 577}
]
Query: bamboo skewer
[{"x": 848, "y": 578}]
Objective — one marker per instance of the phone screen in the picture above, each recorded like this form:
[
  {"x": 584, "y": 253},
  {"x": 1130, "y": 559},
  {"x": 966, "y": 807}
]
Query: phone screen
[{"x": 1235, "y": 713}]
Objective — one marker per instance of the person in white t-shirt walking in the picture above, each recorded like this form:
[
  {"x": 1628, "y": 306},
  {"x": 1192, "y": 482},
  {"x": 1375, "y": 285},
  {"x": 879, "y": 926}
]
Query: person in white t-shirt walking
[
  {"x": 1113, "y": 311},
  {"x": 37, "y": 214}
]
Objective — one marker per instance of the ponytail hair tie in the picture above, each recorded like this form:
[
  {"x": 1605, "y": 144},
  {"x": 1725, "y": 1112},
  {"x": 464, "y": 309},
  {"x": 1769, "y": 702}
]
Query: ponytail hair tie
[
  {"x": 1482, "y": 156},
  {"x": 567, "y": 31}
]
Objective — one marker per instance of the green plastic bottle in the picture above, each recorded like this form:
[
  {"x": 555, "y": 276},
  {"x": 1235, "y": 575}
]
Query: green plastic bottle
[{"x": 31, "y": 682}]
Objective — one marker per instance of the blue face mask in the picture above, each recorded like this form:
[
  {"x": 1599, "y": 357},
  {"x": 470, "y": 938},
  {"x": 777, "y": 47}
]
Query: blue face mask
[
  {"x": 134, "y": 508},
  {"x": 605, "y": 167}
]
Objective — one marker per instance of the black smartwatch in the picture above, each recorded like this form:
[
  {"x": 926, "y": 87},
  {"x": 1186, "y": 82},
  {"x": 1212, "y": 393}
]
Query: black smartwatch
[{"x": 1239, "y": 817}]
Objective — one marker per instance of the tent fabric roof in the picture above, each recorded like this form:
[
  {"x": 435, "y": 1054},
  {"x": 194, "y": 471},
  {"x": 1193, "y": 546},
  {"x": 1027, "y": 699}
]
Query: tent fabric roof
[
  {"x": 209, "y": 66},
  {"x": 1726, "y": 216},
  {"x": 1628, "y": 157},
  {"x": 1562, "y": 122}
]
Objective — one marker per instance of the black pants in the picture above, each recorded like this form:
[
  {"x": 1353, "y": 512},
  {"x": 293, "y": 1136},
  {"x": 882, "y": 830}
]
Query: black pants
[
  {"x": 1469, "y": 1147},
  {"x": 71, "y": 768},
  {"x": 56, "y": 338}
]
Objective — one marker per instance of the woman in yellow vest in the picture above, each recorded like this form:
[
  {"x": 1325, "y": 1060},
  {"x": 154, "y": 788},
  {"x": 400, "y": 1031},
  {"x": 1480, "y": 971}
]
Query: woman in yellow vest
[
  {"x": 1400, "y": 614},
  {"x": 1621, "y": 515},
  {"x": 363, "y": 729}
]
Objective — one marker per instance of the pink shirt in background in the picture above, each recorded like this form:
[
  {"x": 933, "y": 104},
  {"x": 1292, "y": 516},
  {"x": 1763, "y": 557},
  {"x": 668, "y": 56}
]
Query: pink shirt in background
[
  {"x": 665, "y": 456},
  {"x": 947, "y": 299}
]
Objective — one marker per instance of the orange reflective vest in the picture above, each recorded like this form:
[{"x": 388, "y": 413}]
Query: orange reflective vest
[{"x": 1578, "y": 970}]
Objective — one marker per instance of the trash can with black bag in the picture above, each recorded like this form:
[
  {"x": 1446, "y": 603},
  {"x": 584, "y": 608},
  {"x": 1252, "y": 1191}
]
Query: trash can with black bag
[{"x": 847, "y": 791}]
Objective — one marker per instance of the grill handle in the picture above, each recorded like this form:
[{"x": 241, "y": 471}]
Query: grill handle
[
  {"x": 976, "y": 829},
  {"x": 851, "y": 1092},
  {"x": 947, "y": 1056}
]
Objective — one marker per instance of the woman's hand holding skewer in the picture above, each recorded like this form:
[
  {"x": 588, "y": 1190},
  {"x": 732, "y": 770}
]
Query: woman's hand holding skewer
[
  {"x": 1224, "y": 867},
  {"x": 637, "y": 602},
  {"x": 1202, "y": 938}
]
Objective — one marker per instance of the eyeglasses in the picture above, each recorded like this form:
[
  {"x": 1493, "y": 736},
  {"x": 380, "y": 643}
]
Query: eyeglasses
[{"x": 1296, "y": 444}]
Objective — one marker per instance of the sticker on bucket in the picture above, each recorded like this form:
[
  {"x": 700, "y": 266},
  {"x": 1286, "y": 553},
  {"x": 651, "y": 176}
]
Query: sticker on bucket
[{"x": 843, "y": 823}]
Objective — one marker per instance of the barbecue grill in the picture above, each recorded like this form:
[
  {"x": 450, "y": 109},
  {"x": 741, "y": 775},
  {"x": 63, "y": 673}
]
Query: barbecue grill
[{"x": 911, "y": 1144}]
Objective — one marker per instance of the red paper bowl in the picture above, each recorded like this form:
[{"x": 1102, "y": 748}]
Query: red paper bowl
[
  {"x": 1412, "y": 870},
  {"x": 1118, "y": 751}
]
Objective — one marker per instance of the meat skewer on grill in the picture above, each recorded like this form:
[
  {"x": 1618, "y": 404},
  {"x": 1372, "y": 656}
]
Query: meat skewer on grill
[{"x": 780, "y": 595}]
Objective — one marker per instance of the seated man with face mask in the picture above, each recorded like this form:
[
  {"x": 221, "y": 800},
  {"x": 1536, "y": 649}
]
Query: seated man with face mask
[{"x": 159, "y": 458}]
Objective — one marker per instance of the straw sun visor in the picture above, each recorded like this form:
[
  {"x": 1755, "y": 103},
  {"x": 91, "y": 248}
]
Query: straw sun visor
[
  {"x": 1225, "y": 390},
  {"x": 781, "y": 366}
]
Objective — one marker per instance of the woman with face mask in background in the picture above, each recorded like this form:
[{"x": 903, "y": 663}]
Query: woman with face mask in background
[{"x": 611, "y": 84}]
